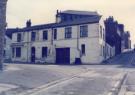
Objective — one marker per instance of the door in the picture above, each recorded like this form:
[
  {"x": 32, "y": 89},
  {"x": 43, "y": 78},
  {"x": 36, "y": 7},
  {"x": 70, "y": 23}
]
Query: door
[
  {"x": 33, "y": 54},
  {"x": 62, "y": 55}
]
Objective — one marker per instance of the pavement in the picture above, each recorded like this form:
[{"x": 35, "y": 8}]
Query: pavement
[{"x": 108, "y": 79}]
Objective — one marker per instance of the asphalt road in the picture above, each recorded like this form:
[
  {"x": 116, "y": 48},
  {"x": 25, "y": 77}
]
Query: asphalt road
[{"x": 23, "y": 79}]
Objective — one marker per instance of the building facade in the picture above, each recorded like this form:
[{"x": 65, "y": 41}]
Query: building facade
[
  {"x": 116, "y": 35},
  {"x": 76, "y": 35}
]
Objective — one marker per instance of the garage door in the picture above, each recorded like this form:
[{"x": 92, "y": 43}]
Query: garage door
[{"x": 62, "y": 55}]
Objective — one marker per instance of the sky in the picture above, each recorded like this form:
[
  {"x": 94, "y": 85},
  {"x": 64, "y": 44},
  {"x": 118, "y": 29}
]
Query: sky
[{"x": 43, "y": 11}]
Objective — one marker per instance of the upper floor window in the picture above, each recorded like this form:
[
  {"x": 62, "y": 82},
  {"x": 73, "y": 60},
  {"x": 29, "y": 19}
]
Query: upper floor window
[
  {"x": 68, "y": 32},
  {"x": 18, "y": 52},
  {"x": 33, "y": 36},
  {"x": 84, "y": 31},
  {"x": 19, "y": 37},
  {"x": 55, "y": 34},
  {"x": 45, "y": 35}
]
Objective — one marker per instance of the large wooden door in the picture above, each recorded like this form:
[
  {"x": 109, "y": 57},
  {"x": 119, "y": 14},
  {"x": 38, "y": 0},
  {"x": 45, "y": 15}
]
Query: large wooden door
[{"x": 62, "y": 55}]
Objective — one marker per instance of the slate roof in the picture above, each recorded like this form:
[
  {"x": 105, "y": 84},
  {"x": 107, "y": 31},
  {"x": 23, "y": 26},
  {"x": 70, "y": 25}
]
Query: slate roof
[
  {"x": 9, "y": 32},
  {"x": 80, "y": 12},
  {"x": 87, "y": 20},
  {"x": 94, "y": 19}
]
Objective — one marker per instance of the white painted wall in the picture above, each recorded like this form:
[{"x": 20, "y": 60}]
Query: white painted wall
[{"x": 94, "y": 44}]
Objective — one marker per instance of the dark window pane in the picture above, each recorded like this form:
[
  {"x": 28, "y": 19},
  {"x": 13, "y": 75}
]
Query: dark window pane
[
  {"x": 84, "y": 31},
  {"x": 44, "y": 51},
  {"x": 18, "y": 52},
  {"x": 83, "y": 49},
  {"x": 33, "y": 36},
  {"x": 45, "y": 35},
  {"x": 55, "y": 34},
  {"x": 18, "y": 37}
]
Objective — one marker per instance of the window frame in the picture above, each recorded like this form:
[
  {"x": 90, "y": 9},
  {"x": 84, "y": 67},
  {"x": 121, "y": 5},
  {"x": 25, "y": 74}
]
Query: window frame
[
  {"x": 18, "y": 52},
  {"x": 83, "y": 31},
  {"x": 68, "y": 32},
  {"x": 19, "y": 37},
  {"x": 45, "y": 35},
  {"x": 33, "y": 37},
  {"x": 55, "y": 34},
  {"x": 83, "y": 49},
  {"x": 44, "y": 53}
]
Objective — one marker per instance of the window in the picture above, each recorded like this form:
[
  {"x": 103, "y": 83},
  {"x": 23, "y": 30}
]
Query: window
[
  {"x": 83, "y": 49},
  {"x": 4, "y": 53},
  {"x": 55, "y": 34},
  {"x": 101, "y": 31},
  {"x": 13, "y": 52},
  {"x": 19, "y": 37},
  {"x": 68, "y": 32},
  {"x": 44, "y": 51},
  {"x": 45, "y": 35},
  {"x": 18, "y": 52},
  {"x": 84, "y": 31},
  {"x": 33, "y": 36}
]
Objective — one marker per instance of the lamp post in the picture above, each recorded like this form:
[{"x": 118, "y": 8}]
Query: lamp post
[{"x": 3, "y": 4}]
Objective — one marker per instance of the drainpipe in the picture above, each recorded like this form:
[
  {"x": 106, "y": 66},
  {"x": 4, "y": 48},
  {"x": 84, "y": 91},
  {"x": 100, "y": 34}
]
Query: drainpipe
[
  {"x": 52, "y": 37},
  {"x": 27, "y": 46},
  {"x": 78, "y": 42}
]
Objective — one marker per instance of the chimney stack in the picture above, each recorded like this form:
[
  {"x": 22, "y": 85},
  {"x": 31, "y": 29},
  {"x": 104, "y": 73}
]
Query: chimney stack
[{"x": 28, "y": 23}]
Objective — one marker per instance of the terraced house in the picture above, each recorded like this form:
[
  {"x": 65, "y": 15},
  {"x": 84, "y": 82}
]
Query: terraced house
[{"x": 75, "y": 37}]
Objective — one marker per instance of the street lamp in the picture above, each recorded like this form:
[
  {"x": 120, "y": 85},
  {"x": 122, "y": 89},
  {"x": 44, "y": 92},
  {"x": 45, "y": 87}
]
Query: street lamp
[{"x": 3, "y": 4}]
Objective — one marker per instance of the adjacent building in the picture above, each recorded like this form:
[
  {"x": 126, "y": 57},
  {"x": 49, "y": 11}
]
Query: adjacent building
[
  {"x": 75, "y": 37},
  {"x": 116, "y": 35}
]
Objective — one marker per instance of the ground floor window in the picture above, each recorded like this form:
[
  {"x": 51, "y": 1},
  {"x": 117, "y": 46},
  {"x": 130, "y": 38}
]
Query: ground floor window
[
  {"x": 44, "y": 51},
  {"x": 83, "y": 49},
  {"x": 13, "y": 52},
  {"x": 18, "y": 52}
]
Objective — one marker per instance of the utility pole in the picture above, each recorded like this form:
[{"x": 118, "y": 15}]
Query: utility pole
[{"x": 3, "y": 4}]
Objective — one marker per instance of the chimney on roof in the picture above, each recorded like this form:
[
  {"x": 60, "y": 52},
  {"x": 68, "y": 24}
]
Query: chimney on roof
[
  {"x": 28, "y": 23},
  {"x": 58, "y": 17}
]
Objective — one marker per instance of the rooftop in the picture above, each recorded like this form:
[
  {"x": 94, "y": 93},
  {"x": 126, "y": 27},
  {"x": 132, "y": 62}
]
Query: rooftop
[{"x": 80, "y": 12}]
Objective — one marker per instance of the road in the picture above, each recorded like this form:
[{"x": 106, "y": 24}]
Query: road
[{"x": 109, "y": 79}]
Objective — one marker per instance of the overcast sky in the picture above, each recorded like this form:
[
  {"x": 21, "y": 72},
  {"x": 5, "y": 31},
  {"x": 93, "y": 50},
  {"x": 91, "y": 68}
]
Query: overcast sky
[{"x": 43, "y": 11}]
